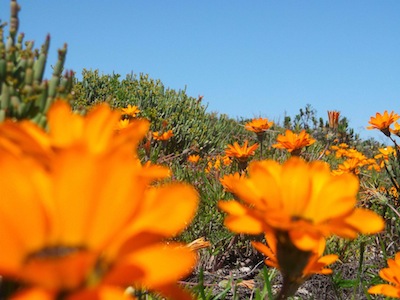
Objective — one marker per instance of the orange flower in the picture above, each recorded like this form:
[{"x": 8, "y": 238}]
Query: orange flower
[
  {"x": 122, "y": 124},
  {"x": 293, "y": 142},
  {"x": 194, "y": 159},
  {"x": 131, "y": 110},
  {"x": 226, "y": 160},
  {"x": 333, "y": 118},
  {"x": 303, "y": 199},
  {"x": 83, "y": 219},
  {"x": 385, "y": 154},
  {"x": 392, "y": 275},
  {"x": 259, "y": 125},
  {"x": 241, "y": 153},
  {"x": 351, "y": 165},
  {"x": 164, "y": 136},
  {"x": 383, "y": 122},
  {"x": 213, "y": 163}
]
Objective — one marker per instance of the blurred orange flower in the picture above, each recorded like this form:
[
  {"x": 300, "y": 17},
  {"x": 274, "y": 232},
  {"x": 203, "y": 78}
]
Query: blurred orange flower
[
  {"x": 84, "y": 219},
  {"x": 241, "y": 153},
  {"x": 303, "y": 199},
  {"x": 293, "y": 142},
  {"x": 383, "y": 122},
  {"x": 259, "y": 125},
  {"x": 95, "y": 133},
  {"x": 392, "y": 275},
  {"x": 165, "y": 136}
]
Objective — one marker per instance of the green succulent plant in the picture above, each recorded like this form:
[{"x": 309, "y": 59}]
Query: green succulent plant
[{"x": 24, "y": 93}]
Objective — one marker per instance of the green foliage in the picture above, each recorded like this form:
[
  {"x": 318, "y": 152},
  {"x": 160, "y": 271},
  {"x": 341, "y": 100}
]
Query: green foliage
[
  {"x": 23, "y": 92},
  {"x": 195, "y": 130}
]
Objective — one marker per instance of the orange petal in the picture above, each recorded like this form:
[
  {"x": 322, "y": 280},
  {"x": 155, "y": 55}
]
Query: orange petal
[
  {"x": 306, "y": 240},
  {"x": 365, "y": 221},
  {"x": 161, "y": 265},
  {"x": 34, "y": 294},
  {"x": 166, "y": 210},
  {"x": 240, "y": 218},
  {"x": 99, "y": 127},
  {"x": 101, "y": 293},
  {"x": 385, "y": 289},
  {"x": 95, "y": 198},
  {"x": 23, "y": 220},
  {"x": 58, "y": 115}
]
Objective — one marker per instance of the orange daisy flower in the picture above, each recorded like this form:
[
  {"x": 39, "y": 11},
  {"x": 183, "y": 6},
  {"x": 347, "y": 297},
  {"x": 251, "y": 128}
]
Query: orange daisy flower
[
  {"x": 164, "y": 136},
  {"x": 241, "y": 153},
  {"x": 84, "y": 220},
  {"x": 293, "y": 142},
  {"x": 303, "y": 199},
  {"x": 383, "y": 122},
  {"x": 350, "y": 165},
  {"x": 194, "y": 159},
  {"x": 392, "y": 275},
  {"x": 131, "y": 110},
  {"x": 259, "y": 125}
]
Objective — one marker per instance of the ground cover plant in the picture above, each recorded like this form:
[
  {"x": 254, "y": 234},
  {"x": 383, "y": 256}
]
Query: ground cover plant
[{"x": 122, "y": 189}]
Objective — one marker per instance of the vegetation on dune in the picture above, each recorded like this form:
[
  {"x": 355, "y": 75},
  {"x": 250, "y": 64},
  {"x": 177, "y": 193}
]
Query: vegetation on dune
[{"x": 123, "y": 188}]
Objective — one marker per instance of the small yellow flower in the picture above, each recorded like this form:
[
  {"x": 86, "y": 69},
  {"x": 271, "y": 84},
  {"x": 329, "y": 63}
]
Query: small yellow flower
[
  {"x": 131, "y": 110},
  {"x": 386, "y": 152},
  {"x": 122, "y": 124}
]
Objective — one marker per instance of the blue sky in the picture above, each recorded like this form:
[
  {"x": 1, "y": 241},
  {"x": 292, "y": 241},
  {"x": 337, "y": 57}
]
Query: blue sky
[{"x": 248, "y": 58}]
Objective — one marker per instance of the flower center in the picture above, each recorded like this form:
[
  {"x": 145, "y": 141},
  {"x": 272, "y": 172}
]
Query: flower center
[{"x": 54, "y": 252}]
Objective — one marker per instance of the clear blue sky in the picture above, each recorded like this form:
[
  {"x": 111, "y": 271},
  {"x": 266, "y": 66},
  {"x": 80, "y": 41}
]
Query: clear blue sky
[{"x": 248, "y": 58}]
